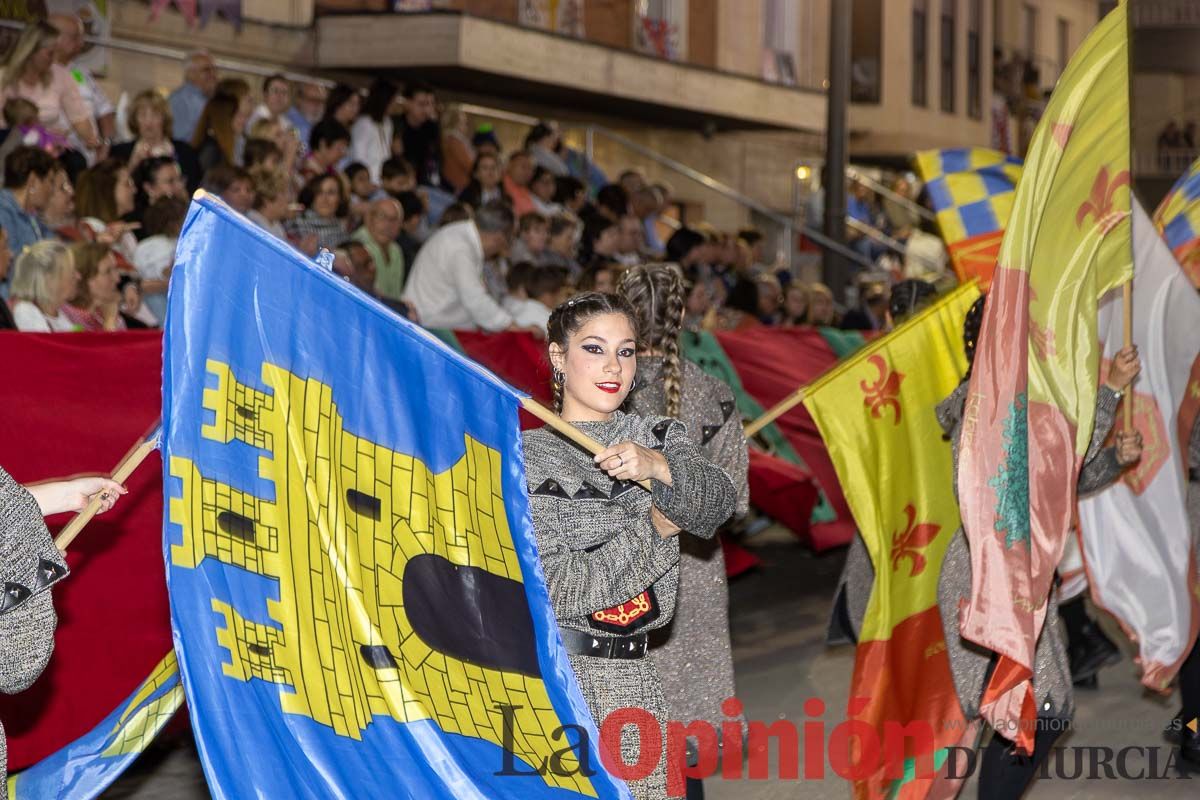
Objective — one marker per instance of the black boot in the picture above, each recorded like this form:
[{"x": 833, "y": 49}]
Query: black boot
[
  {"x": 1088, "y": 649},
  {"x": 1189, "y": 747}
]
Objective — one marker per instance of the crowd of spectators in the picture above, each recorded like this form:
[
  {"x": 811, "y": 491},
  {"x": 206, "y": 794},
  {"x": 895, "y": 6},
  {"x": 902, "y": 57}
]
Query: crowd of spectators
[{"x": 444, "y": 223}]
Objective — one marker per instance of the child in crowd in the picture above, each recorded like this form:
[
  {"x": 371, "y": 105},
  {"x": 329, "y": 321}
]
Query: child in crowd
[
  {"x": 155, "y": 255},
  {"x": 533, "y": 292},
  {"x": 397, "y": 176},
  {"x": 21, "y": 118},
  {"x": 129, "y": 286},
  {"x": 271, "y": 198},
  {"x": 533, "y": 232}
]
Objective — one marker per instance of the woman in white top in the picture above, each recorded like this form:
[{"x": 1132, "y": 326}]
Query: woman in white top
[
  {"x": 371, "y": 136},
  {"x": 104, "y": 195},
  {"x": 44, "y": 278}
]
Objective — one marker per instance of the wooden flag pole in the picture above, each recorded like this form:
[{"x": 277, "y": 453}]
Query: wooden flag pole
[
  {"x": 568, "y": 430},
  {"x": 120, "y": 475},
  {"x": 776, "y": 411},
  {"x": 1128, "y": 308}
]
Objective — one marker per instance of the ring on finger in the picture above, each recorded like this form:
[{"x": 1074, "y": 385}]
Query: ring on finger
[{"x": 620, "y": 461}]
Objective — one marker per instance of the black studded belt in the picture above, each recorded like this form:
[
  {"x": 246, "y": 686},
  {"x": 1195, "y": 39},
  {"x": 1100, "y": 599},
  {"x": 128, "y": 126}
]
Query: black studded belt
[{"x": 579, "y": 643}]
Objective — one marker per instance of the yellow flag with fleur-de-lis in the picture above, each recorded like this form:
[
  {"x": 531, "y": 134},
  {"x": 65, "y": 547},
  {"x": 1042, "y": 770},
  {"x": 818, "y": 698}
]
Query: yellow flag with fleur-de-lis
[
  {"x": 876, "y": 414},
  {"x": 1031, "y": 406}
]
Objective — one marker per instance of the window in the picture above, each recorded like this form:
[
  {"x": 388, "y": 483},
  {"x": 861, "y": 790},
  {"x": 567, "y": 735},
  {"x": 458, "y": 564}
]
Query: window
[
  {"x": 974, "y": 59},
  {"x": 1029, "y": 23},
  {"x": 866, "y": 46},
  {"x": 920, "y": 52},
  {"x": 660, "y": 28},
  {"x": 1064, "y": 44},
  {"x": 947, "y": 41},
  {"x": 781, "y": 23}
]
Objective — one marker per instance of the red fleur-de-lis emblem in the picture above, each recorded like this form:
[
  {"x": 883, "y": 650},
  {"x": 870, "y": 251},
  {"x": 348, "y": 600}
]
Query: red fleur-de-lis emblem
[
  {"x": 908, "y": 542},
  {"x": 1100, "y": 201},
  {"x": 885, "y": 391}
]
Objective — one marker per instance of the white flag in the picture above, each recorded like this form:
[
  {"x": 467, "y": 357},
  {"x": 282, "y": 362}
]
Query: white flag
[{"x": 1137, "y": 541}]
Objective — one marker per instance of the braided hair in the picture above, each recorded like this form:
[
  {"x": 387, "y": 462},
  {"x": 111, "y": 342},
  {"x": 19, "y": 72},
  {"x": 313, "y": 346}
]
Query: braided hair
[
  {"x": 571, "y": 315},
  {"x": 971, "y": 326},
  {"x": 657, "y": 294}
]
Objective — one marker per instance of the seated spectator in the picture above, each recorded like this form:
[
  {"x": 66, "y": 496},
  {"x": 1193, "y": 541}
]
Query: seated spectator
[
  {"x": 770, "y": 299},
  {"x": 517, "y": 175},
  {"x": 900, "y": 215},
  {"x": 104, "y": 196},
  {"x": 357, "y": 267},
  {"x": 871, "y": 313},
  {"x": 155, "y": 177},
  {"x": 67, "y": 54},
  {"x": 136, "y": 312},
  {"x": 44, "y": 278},
  {"x": 446, "y": 283},
  {"x": 396, "y": 176},
  {"x": 285, "y": 143},
  {"x": 232, "y": 184},
  {"x": 96, "y": 304},
  {"x": 484, "y": 140},
  {"x": 218, "y": 138},
  {"x": 456, "y": 212},
  {"x": 629, "y": 241},
  {"x": 486, "y": 184},
  {"x": 59, "y": 214},
  {"x": 458, "y": 154},
  {"x": 29, "y": 183},
  {"x": 533, "y": 230},
  {"x": 156, "y": 253},
  {"x": 754, "y": 242},
  {"x": 187, "y": 102},
  {"x": 822, "y": 311},
  {"x": 562, "y": 242},
  {"x": 544, "y": 288},
  {"x": 343, "y": 105},
  {"x": 612, "y": 202},
  {"x": 632, "y": 181},
  {"x": 541, "y": 191},
  {"x": 686, "y": 248},
  {"x": 570, "y": 194},
  {"x": 795, "y": 304},
  {"x": 601, "y": 276},
  {"x": 371, "y": 132},
  {"x": 307, "y": 109},
  {"x": 600, "y": 239},
  {"x": 271, "y": 197},
  {"x": 277, "y": 99},
  {"x": 323, "y": 221},
  {"x": 150, "y": 123},
  {"x": 414, "y": 214},
  {"x": 7, "y": 323},
  {"x": 543, "y": 143},
  {"x": 378, "y": 234},
  {"x": 417, "y": 126},
  {"x": 259, "y": 153},
  {"x": 645, "y": 205},
  {"x": 362, "y": 191},
  {"x": 327, "y": 146},
  {"x": 29, "y": 71}
]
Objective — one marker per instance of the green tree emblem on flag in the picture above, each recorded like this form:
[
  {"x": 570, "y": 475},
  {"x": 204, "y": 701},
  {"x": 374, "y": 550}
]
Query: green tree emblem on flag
[{"x": 1011, "y": 481}]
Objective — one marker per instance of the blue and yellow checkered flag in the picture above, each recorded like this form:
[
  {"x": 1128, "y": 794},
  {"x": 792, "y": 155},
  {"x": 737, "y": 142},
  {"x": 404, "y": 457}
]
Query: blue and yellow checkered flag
[
  {"x": 972, "y": 191},
  {"x": 1178, "y": 219},
  {"x": 86, "y": 767}
]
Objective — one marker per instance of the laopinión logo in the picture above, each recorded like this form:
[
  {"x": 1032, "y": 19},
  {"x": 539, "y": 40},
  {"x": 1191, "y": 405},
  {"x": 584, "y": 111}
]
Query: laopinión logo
[{"x": 748, "y": 759}]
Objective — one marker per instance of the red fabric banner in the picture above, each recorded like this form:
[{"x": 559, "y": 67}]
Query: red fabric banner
[
  {"x": 76, "y": 403},
  {"x": 773, "y": 366}
]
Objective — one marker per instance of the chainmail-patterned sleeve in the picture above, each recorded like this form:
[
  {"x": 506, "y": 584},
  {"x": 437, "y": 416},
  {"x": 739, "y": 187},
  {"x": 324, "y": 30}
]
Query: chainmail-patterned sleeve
[
  {"x": 29, "y": 565},
  {"x": 1100, "y": 466},
  {"x": 701, "y": 496},
  {"x": 1194, "y": 446}
]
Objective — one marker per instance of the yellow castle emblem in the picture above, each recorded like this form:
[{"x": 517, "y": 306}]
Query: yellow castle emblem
[{"x": 351, "y": 522}]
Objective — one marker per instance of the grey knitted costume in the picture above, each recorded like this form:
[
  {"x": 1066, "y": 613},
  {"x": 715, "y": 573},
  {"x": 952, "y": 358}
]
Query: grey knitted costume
[
  {"x": 607, "y": 569},
  {"x": 969, "y": 663},
  {"x": 693, "y": 654},
  {"x": 29, "y": 565}
]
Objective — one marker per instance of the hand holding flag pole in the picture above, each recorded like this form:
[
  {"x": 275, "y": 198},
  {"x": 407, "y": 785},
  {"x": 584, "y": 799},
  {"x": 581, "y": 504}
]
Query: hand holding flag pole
[
  {"x": 128, "y": 464},
  {"x": 568, "y": 430}
]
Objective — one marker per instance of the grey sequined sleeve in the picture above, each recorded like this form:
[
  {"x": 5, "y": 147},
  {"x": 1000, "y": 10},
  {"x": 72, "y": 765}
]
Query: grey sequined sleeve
[
  {"x": 1100, "y": 467},
  {"x": 584, "y": 581},
  {"x": 29, "y": 565},
  {"x": 729, "y": 450},
  {"x": 701, "y": 495}
]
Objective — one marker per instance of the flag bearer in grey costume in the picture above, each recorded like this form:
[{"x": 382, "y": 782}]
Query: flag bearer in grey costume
[
  {"x": 29, "y": 565},
  {"x": 609, "y": 548},
  {"x": 692, "y": 654},
  {"x": 1003, "y": 775}
]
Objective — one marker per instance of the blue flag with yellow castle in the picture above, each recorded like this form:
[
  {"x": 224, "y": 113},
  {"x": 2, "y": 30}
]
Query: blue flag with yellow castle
[
  {"x": 87, "y": 766},
  {"x": 357, "y": 605}
]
